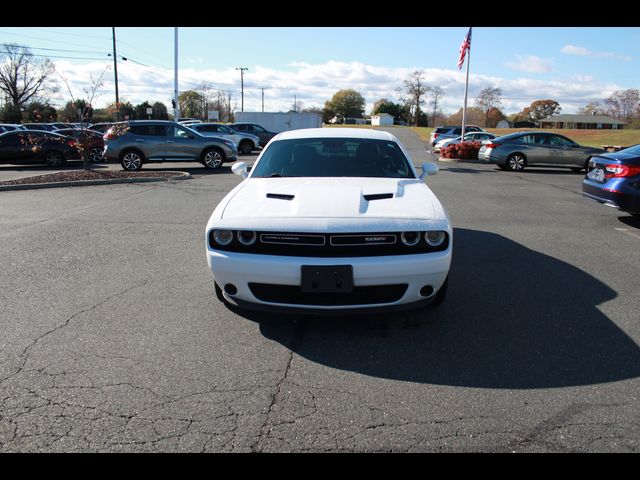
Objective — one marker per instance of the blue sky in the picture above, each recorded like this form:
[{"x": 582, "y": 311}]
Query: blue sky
[{"x": 572, "y": 65}]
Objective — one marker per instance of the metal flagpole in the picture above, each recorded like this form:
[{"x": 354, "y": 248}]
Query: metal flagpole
[{"x": 466, "y": 88}]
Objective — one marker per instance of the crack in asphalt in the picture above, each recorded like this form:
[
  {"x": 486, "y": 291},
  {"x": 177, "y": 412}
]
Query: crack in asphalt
[{"x": 65, "y": 323}]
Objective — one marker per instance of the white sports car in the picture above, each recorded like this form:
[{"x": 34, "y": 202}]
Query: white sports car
[{"x": 328, "y": 221}]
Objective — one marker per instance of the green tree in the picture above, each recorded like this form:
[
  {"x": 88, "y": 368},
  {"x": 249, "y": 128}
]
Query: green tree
[
  {"x": 191, "y": 104},
  {"x": 70, "y": 111},
  {"x": 140, "y": 111},
  {"x": 40, "y": 112},
  {"x": 346, "y": 104},
  {"x": 160, "y": 111},
  {"x": 542, "y": 109},
  {"x": 400, "y": 112}
]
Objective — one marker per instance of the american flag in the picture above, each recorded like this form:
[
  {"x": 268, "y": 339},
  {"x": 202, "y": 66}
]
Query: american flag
[{"x": 466, "y": 45}]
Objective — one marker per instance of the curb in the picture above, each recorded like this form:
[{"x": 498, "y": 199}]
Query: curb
[
  {"x": 82, "y": 183},
  {"x": 459, "y": 160}
]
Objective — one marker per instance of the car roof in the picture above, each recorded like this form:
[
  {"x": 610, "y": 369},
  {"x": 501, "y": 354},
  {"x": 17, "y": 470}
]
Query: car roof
[{"x": 335, "y": 133}]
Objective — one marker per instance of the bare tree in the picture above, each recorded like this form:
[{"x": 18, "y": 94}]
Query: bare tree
[
  {"x": 623, "y": 104},
  {"x": 435, "y": 93},
  {"x": 84, "y": 110},
  {"x": 23, "y": 76},
  {"x": 488, "y": 99},
  {"x": 413, "y": 92}
]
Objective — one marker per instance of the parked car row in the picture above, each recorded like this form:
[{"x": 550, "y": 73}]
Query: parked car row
[
  {"x": 612, "y": 179},
  {"x": 35, "y": 146}
]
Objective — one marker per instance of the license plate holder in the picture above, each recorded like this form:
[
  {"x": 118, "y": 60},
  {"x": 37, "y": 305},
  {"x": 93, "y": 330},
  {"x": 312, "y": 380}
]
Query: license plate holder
[{"x": 327, "y": 278}]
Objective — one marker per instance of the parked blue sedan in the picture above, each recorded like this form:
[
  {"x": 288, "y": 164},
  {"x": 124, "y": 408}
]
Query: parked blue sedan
[{"x": 614, "y": 179}]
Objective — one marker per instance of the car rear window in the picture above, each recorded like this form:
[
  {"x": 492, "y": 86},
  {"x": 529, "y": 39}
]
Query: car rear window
[{"x": 333, "y": 157}]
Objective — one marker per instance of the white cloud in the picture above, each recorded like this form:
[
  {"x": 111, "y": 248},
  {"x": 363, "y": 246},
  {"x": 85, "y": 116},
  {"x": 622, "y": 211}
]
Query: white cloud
[
  {"x": 531, "y": 64},
  {"x": 312, "y": 85},
  {"x": 584, "y": 52}
]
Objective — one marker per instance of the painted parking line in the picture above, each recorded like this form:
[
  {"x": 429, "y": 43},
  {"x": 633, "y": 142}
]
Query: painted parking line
[{"x": 633, "y": 233}]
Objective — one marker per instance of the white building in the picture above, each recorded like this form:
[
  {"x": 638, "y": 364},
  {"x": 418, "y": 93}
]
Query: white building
[{"x": 382, "y": 119}]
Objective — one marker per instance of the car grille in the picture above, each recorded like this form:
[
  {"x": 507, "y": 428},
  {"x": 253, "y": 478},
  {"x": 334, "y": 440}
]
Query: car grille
[
  {"x": 371, "y": 244},
  {"x": 368, "y": 295}
]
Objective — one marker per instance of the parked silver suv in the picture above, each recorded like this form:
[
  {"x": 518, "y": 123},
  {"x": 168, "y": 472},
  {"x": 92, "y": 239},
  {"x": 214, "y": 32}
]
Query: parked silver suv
[{"x": 136, "y": 142}]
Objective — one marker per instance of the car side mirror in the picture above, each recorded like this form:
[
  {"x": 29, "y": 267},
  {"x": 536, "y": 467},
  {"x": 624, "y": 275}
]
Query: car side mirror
[
  {"x": 428, "y": 168},
  {"x": 240, "y": 168}
]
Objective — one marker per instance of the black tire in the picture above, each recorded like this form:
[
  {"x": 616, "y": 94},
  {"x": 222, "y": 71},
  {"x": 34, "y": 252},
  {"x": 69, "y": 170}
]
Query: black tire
[
  {"x": 245, "y": 147},
  {"x": 131, "y": 160},
  {"x": 516, "y": 162},
  {"x": 213, "y": 158},
  {"x": 95, "y": 154},
  {"x": 55, "y": 158}
]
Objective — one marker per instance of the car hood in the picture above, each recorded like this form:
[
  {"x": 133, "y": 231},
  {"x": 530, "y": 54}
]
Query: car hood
[{"x": 332, "y": 198}]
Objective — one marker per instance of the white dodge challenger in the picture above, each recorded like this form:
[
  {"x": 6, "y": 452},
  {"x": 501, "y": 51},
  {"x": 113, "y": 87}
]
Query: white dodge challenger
[{"x": 330, "y": 221}]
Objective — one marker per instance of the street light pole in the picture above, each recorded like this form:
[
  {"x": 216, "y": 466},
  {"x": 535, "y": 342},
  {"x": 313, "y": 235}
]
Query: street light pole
[
  {"x": 176, "y": 106},
  {"x": 242, "y": 69},
  {"x": 115, "y": 71}
]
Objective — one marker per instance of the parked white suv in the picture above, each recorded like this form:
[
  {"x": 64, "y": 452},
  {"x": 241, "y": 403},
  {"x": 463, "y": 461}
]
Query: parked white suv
[{"x": 449, "y": 131}]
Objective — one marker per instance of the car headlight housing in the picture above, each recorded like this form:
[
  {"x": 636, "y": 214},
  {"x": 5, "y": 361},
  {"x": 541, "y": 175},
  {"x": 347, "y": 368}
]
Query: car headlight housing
[
  {"x": 435, "y": 238},
  {"x": 410, "y": 238},
  {"x": 223, "y": 237},
  {"x": 247, "y": 237}
]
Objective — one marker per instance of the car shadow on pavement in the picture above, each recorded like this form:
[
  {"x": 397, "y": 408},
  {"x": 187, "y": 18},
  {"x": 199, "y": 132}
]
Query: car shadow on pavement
[
  {"x": 630, "y": 220},
  {"x": 514, "y": 318}
]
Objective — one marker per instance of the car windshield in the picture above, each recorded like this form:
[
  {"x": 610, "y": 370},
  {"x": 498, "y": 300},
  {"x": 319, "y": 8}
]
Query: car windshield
[{"x": 333, "y": 157}]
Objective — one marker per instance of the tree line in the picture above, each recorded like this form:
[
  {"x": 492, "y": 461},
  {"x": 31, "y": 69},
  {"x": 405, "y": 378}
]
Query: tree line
[{"x": 25, "y": 82}]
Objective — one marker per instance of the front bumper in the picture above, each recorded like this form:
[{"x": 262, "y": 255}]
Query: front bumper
[{"x": 373, "y": 278}]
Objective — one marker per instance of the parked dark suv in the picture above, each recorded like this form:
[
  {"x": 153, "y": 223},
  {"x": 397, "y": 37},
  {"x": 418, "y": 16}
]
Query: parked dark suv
[
  {"x": 264, "y": 134},
  {"x": 137, "y": 142}
]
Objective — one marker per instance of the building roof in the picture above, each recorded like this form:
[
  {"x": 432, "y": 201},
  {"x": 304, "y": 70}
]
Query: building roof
[
  {"x": 381, "y": 114},
  {"x": 582, "y": 119}
]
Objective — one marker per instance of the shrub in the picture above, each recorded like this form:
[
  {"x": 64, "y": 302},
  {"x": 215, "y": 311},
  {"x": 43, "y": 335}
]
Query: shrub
[{"x": 463, "y": 151}]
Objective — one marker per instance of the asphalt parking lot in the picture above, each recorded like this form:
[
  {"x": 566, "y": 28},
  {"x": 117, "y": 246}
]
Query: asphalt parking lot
[{"x": 113, "y": 339}]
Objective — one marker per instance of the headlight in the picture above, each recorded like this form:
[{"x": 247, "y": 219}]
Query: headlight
[
  {"x": 223, "y": 237},
  {"x": 410, "y": 238},
  {"x": 436, "y": 238},
  {"x": 247, "y": 237}
]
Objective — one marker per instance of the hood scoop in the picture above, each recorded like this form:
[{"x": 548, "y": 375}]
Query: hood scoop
[
  {"x": 280, "y": 196},
  {"x": 377, "y": 196}
]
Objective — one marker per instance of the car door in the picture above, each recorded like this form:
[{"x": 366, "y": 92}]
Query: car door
[
  {"x": 567, "y": 151},
  {"x": 10, "y": 148},
  {"x": 535, "y": 148},
  {"x": 181, "y": 144},
  {"x": 150, "y": 139}
]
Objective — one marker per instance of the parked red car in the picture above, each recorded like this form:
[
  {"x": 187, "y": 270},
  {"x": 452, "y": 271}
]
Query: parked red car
[{"x": 94, "y": 139}]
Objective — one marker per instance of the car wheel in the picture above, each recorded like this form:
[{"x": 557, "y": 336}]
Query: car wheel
[
  {"x": 131, "y": 160},
  {"x": 55, "y": 158},
  {"x": 245, "y": 147},
  {"x": 516, "y": 162},
  {"x": 95, "y": 154},
  {"x": 212, "y": 158}
]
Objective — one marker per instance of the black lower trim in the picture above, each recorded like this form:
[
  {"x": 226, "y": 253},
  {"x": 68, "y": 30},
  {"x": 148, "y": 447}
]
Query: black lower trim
[{"x": 293, "y": 294}]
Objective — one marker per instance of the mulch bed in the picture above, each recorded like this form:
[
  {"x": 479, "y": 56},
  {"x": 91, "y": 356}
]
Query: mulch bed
[{"x": 79, "y": 175}]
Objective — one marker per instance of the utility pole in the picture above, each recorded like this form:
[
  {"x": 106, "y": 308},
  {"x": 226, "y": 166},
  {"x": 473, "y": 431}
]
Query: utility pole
[
  {"x": 262, "y": 88},
  {"x": 115, "y": 71},
  {"x": 242, "y": 69},
  {"x": 176, "y": 106}
]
